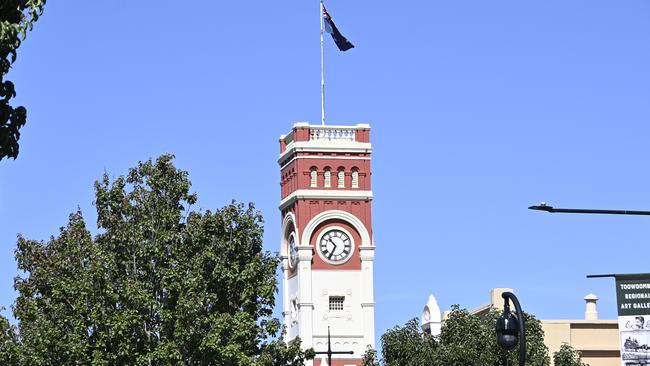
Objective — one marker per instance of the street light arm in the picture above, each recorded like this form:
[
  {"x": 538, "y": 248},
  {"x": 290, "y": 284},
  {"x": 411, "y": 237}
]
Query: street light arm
[
  {"x": 551, "y": 209},
  {"x": 522, "y": 326}
]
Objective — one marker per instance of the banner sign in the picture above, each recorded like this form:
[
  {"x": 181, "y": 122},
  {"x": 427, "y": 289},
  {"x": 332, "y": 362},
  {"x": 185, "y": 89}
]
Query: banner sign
[{"x": 633, "y": 300}]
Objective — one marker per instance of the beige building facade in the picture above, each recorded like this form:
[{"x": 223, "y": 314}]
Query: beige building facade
[{"x": 596, "y": 340}]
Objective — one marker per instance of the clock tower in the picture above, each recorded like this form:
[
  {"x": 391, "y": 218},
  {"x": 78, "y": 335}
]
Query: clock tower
[{"x": 326, "y": 245}]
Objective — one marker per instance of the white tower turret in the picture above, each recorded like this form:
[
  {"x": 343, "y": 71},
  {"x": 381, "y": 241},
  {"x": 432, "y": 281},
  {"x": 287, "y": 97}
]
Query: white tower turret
[{"x": 432, "y": 317}]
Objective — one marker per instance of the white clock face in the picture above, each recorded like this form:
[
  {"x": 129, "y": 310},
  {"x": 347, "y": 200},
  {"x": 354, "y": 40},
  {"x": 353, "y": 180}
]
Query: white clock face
[
  {"x": 293, "y": 252},
  {"x": 294, "y": 308},
  {"x": 427, "y": 314},
  {"x": 335, "y": 246}
]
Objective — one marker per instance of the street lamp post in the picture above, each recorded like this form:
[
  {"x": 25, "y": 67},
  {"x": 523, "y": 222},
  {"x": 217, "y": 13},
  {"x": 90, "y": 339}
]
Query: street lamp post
[
  {"x": 511, "y": 329},
  {"x": 550, "y": 209},
  {"x": 329, "y": 351}
]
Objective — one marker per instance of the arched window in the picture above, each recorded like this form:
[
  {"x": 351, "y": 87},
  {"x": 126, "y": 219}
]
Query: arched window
[
  {"x": 328, "y": 177},
  {"x": 341, "y": 177},
  {"x": 355, "y": 177},
  {"x": 313, "y": 177}
]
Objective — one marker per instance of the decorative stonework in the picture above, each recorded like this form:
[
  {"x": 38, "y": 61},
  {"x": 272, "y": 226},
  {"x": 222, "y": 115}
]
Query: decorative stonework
[{"x": 326, "y": 133}]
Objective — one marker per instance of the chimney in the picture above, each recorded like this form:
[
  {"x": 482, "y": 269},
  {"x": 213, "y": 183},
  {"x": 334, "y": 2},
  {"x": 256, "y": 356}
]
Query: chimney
[{"x": 591, "y": 313}]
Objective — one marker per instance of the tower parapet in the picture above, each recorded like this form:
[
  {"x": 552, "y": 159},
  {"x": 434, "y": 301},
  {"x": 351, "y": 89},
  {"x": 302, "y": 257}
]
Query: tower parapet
[{"x": 306, "y": 137}]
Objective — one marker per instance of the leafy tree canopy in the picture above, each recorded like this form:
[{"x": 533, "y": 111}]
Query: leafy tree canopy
[
  {"x": 160, "y": 285},
  {"x": 8, "y": 343},
  {"x": 16, "y": 18},
  {"x": 466, "y": 340},
  {"x": 567, "y": 356}
]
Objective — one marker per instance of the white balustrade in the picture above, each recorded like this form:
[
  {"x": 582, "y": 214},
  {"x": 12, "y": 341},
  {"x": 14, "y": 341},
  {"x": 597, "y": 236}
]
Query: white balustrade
[{"x": 332, "y": 134}]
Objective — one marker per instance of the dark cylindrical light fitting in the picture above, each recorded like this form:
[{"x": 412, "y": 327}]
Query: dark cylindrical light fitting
[
  {"x": 511, "y": 329},
  {"x": 507, "y": 328}
]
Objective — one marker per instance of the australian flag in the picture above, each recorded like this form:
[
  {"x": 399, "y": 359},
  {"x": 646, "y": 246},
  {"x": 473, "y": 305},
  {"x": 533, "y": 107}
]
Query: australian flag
[{"x": 341, "y": 42}]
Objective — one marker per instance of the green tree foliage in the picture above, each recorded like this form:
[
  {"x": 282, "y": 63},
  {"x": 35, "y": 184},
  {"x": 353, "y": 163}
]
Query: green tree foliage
[
  {"x": 9, "y": 352},
  {"x": 407, "y": 345},
  {"x": 370, "y": 358},
  {"x": 16, "y": 18},
  {"x": 567, "y": 356},
  {"x": 465, "y": 340},
  {"x": 160, "y": 284}
]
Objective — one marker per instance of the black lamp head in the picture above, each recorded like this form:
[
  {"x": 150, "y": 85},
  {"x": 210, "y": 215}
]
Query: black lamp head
[
  {"x": 542, "y": 207},
  {"x": 507, "y": 329}
]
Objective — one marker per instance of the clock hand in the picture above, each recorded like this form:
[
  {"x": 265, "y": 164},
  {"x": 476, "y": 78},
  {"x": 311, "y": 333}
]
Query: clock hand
[{"x": 332, "y": 253}]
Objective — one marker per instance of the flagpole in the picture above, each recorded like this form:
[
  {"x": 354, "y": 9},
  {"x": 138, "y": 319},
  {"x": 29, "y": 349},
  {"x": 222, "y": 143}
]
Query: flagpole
[{"x": 322, "y": 65}]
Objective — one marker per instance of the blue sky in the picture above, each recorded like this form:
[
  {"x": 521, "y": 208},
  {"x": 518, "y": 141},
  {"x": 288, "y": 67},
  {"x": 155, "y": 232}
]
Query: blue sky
[{"x": 478, "y": 108}]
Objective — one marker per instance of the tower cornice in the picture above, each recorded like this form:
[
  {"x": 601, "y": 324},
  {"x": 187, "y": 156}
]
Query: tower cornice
[
  {"x": 320, "y": 147},
  {"x": 321, "y": 194}
]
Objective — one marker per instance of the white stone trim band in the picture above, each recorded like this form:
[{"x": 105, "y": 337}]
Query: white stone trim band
[
  {"x": 325, "y": 147},
  {"x": 322, "y": 194}
]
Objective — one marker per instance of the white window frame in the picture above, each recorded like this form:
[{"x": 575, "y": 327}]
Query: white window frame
[
  {"x": 313, "y": 177},
  {"x": 328, "y": 178},
  {"x": 336, "y": 303}
]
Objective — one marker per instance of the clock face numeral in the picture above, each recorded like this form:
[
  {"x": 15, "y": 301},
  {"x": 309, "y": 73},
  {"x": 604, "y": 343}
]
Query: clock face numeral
[{"x": 335, "y": 246}]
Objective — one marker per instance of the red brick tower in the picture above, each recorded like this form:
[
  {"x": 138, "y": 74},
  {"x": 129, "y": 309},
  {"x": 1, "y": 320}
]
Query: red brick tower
[{"x": 326, "y": 243}]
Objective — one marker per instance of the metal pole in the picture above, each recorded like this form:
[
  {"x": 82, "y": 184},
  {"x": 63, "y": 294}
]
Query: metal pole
[
  {"x": 329, "y": 351},
  {"x": 322, "y": 65},
  {"x": 601, "y": 275},
  {"x": 620, "y": 275},
  {"x": 522, "y": 326},
  {"x": 551, "y": 209},
  {"x": 602, "y": 212},
  {"x": 329, "y": 348}
]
